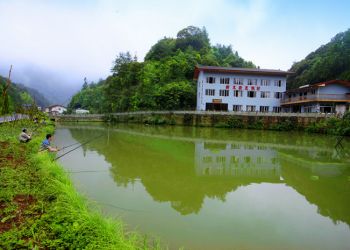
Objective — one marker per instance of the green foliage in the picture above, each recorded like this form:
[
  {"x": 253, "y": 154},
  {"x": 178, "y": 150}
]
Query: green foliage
[
  {"x": 284, "y": 125},
  {"x": 16, "y": 96},
  {"x": 163, "y": 81},
  {"x": 332, "y": 126},
  {"x": 235, "y": 122},
  {"x": 162, "y": 49},
  {"x": 176, "y": 96},
  {"x": 52, "y": 215},
  {"x": 91, "y": 97},
  {"x": 256, "y": 123},
  {"x": 193, "y": 37},
  {"x": 330, "y": 61}
]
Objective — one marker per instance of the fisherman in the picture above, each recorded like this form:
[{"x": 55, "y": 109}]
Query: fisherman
[
  {"x": 24, "y": 136},
  {"x": 46, "y": 144}
]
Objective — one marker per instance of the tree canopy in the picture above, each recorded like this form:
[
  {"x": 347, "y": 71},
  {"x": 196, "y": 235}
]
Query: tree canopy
[
  {"x": 163, "y": 81},
  {"x": 330, "y": 61}
]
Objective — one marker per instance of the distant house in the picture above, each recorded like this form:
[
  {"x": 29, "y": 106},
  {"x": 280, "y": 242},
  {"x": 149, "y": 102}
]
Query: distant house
[
  {"x": 324, "y": 97},
  {"x": 55, "y": 109},
  {"x": 82, "y": 111}
]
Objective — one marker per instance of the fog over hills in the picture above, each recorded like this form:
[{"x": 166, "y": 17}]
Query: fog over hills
[{"x": 56, "y": 88}]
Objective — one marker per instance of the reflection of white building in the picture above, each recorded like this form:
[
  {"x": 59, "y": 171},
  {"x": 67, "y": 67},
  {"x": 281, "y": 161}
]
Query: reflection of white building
[{"x": 236, "y": 160}]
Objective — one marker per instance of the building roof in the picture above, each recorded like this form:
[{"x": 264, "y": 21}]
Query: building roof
[
  {"x": 56, "y": 105},
  {"x": 320, "y": 84},
  {"x": 243, "y": 71}
]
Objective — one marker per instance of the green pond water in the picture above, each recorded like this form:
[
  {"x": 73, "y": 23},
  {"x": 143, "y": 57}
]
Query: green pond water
[{"x": 207, "y": 188}]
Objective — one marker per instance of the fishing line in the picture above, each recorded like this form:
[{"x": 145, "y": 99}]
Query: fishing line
[
  {"x": 86, "y": 171},
  {"x": 78, "y": 147},
  {"x": 70, "y": 145},
  {"x": 121, "y": 208}
]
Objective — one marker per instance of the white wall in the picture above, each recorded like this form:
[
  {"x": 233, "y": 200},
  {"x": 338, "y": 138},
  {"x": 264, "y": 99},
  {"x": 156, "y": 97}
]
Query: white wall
[{"x": 202, "y": 99}]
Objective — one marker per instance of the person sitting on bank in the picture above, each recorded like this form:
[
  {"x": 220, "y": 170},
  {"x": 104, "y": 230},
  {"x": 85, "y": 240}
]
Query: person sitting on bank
[
  {"x": 46, "y": 144},
  {"x": 24, "y": 136}
]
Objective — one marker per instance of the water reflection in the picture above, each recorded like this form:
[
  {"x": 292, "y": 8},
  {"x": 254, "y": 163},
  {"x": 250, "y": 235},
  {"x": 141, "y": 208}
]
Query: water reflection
[
  {"x": 189, "y": 170},
  {"x": 236, "y": 160},
  {"x": 185, "y": 169}
]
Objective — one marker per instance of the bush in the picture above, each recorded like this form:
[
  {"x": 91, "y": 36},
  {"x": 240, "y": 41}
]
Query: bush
[{"x": 235, "y": 122}]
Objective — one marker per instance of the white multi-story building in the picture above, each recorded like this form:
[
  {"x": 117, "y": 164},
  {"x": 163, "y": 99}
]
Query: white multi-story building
[{"x": 239, "y": 89}]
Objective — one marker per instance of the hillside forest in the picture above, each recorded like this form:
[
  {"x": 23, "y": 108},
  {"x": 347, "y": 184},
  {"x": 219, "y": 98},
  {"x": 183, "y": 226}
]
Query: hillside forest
[
  {"x": 19, "y": 96},
  {"x": 164, "y": 80}
]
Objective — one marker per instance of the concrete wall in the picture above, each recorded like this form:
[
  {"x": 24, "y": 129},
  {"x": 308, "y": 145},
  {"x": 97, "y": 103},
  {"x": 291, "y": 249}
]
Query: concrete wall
[{"x": 204, "y": 119}]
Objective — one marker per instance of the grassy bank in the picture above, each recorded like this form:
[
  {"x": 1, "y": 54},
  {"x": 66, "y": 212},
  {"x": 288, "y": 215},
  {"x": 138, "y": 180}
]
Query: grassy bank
[{"x": 40, "y": 208}]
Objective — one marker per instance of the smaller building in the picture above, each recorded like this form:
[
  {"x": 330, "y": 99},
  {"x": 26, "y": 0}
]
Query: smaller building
[
  {"x": 324, "y": 97},
  {"x": 55, "y": 109},
  {"x": 82, "y": 111}
]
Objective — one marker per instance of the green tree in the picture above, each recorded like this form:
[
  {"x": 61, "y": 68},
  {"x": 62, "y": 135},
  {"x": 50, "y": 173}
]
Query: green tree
[
  {"x": 162, "y": 49},
  {"x": 330, "y": 61},
  {"x": 193, "y": 37}
]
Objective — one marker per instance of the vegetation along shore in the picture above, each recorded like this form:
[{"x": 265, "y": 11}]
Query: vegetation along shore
[{"x": 39, "y": 206}]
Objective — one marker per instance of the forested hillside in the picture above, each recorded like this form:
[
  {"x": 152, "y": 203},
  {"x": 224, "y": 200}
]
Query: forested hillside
[
  {"x": 18, "y": 95},
  {"x": 330, "y": 61},
  {"x": 163, "y": 81}
]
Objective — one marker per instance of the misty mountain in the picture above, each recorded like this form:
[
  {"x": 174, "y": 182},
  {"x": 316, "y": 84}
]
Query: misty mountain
[
  {"x": 19, "y": 94},
  {"x": 55, "y": 88},
  {"x": 38, "y": 97}
]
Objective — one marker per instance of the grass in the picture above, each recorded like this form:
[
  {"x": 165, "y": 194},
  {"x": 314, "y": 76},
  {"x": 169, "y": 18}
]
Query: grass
[{"x": 40, "y": 208}]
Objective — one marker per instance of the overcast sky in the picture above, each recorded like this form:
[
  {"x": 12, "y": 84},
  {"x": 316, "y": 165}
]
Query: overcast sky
[{"x": 61, "y": 42}]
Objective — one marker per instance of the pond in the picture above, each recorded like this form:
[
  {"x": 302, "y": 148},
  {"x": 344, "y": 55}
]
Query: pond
[{"x": 208, "y": 188}]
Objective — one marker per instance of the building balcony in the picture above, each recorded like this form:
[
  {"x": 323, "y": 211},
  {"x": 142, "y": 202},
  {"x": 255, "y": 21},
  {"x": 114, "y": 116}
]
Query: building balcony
[{"x": 315, "y": 98}]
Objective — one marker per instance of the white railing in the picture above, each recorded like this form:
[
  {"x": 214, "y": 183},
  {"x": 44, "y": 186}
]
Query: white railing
[
  {"x": 319, "y": 97},
  {"x": 11, "y": 118}
]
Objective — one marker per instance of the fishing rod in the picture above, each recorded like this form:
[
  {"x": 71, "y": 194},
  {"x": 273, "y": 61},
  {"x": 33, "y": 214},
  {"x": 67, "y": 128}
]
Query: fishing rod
[
  {"x": 78, "y": 147},
  {"x": 70, "y": 145}
]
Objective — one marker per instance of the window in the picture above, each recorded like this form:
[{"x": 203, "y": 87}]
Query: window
[
  {"x": 278, "y": 83},
  {"x": 237, "y": 108},
  {"x": 238, "y": 81},
  {"x": 308, "y": 109},
  {"x": 313, "y": 91},
  {"x": 224, "y": 80},
  {"x": 327, "y": 109},
  {"x": 220, "y": 159},
  {"x": 210, "y": 79},
  {"x": 265, "y": 94},
  {"x": 210, "y": 92},
  {"x": 278, "y": 95},
  {"x": 224, "y": 92},
  {"x": 264, "y": 108},
  {"x": 251, "y": 94},
  {"x": 250, "y": 108},
  {"x": 237, "y": 93},
  {"x": 207, "y": 159},
  {"x": 252, "y": 81},
  {"x": 276, "y": 109},
  {"x": 265, "y": 82}
]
